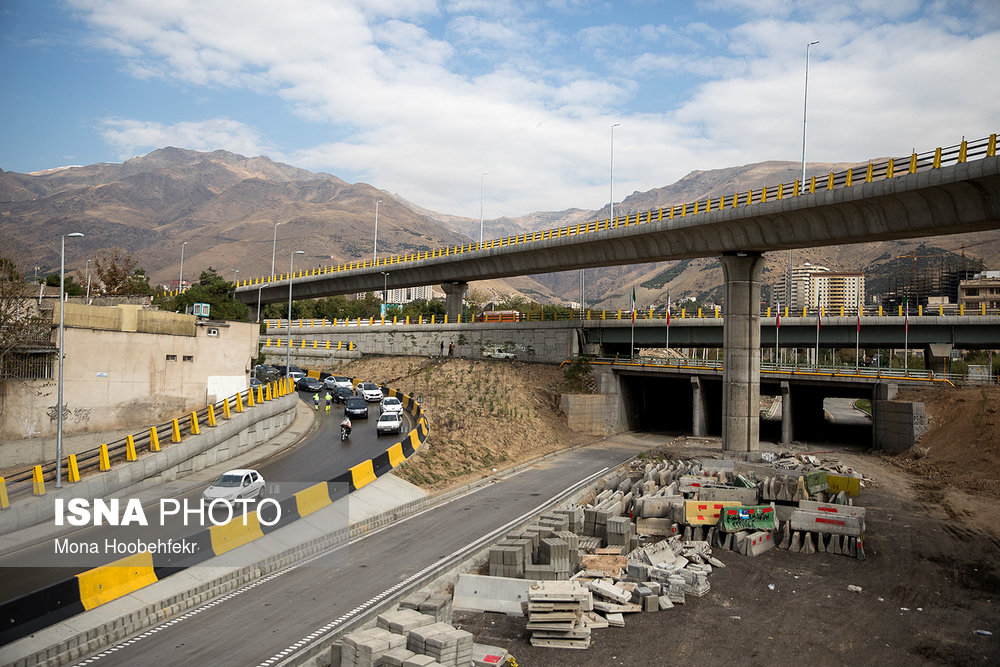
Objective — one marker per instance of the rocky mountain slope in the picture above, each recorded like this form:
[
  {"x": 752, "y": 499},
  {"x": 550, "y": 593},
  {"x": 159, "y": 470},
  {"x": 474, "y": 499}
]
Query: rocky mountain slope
[{"x": 225, "y": 206}]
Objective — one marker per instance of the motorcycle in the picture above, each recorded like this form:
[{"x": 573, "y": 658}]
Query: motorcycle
[{"x": 343, "y": 433}]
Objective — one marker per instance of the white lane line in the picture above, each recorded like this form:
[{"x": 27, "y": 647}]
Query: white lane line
[{"x": 390, "y": 591}]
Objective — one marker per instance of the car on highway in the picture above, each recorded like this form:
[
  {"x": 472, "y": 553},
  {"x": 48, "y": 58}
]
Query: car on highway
[
  {"x": 294, "y": 372},
  {"x": 370, "y": 391},
  {"x": 390, "y": 404},
  {"x": 340, "y": 394},
  {"x": 332, "y": 381},
  {"x": 498, "y": 353},
  {"x": 356, "y": 406},
  {"x": 389, "y": 422},
  {"x": 308, "y": 384},
  {"x": 266, "y": 372},
  {"x": 236, "y": 484},
  {"x": 254, "y": 382}
]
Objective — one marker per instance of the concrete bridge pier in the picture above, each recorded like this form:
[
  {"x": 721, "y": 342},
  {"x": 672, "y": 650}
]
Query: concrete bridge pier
[
  {"x": 741, "y": 347},
  {"x": 699, "y": 425},
  {"x": 936, "y": 356},
  {"x": 454, "y": 293},
  {"x": 787, "y": 432}
]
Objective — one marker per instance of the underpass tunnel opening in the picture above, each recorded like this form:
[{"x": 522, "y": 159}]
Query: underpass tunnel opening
[
  {"x": 666, "y": 404},
  {"x": 828, "y": 414}
]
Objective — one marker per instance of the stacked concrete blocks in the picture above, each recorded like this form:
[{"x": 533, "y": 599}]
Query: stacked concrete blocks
[{"x": 556, "y": 615}]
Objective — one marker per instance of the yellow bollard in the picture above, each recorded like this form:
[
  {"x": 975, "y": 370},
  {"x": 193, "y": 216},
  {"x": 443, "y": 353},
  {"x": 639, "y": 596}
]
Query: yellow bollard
[
  {"x": 239, "y": 400},
  {"x": 37, "y": 483},
  {"x": 175, "y": 431},
  {"x": 194, "y": 424},
  {"x": 105, "y": 460},
  {"x": 211, "y": 415},
  {"x": 267, "y": 394},
  {"x": 154, "y": 439},
  {"x": 130, "y": 448},
  {"x": 225, "y": 410},
  {"x": 260, "y": 396},
  {"x": 4, "y": 501},
  {"x": 72, "y": 470},
  {"x": 699, "y": 313}
]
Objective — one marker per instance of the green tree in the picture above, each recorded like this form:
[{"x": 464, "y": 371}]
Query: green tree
[
  {"x": 215, "y": 290},
  {"x": 73, "y": 288}
]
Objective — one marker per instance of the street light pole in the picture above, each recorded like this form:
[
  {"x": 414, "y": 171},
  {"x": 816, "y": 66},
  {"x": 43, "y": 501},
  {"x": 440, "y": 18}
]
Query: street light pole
[
  {"x": 385, "y": 287},
  {"x": 62, "y": 313},
  {"x": 375, "y": 242},
  {"x": 805, "y": 106},
  {"x": 235, "y": 271},
  {"x": 274, "y": 246},
  {"x": 180, "y": 278},
  {"x": 288, "y": 347},
  {"x": 88, "y": 281},
  {"x": 482, "y": 192}
]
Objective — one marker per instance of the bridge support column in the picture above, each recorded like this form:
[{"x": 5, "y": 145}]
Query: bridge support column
[
  {"x": 936, "y": 356},
  {"x": 453, "y": 295},
  {"x": 699, "y": 426},
  {"x": 786, "y": 413},
  {"x": 741, "y": 347}
]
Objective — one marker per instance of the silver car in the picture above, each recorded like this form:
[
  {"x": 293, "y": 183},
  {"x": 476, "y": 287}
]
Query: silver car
[
  {"x": 236, "y": 484},
  {"x": 370, "y": 391},
  {"x": 390, "y": 404},
  {"x": 334, "y": 381},
  {"x": 389, "y": 422}
]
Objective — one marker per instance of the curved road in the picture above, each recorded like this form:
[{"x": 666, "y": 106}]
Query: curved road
[
  {"x": 267, "y": 617},
  {"x": 318, "y": 457}
]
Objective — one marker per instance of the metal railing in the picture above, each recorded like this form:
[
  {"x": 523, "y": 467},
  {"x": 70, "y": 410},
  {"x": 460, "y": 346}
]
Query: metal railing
[
  {"x": 22, "y": 483},
  {"x": 873, "y": 171}
]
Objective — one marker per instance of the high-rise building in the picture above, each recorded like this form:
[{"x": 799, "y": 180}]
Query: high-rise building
[
  {"x": 834, "y": 291},
  {"x": 800, "y": 286},
  {"x": 408, "y": 294},
  {"x": 983, "y": 289}
]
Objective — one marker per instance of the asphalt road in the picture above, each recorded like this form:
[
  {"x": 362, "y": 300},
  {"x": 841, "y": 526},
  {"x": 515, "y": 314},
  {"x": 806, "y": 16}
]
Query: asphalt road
[
  {"x": 320, "y": 456},
  {"x": 267, "y": 617}
]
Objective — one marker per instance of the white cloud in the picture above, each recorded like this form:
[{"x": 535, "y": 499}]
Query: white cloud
[
  {"x": 132, "y": 137},
  {"x": 402, "y": 95}
]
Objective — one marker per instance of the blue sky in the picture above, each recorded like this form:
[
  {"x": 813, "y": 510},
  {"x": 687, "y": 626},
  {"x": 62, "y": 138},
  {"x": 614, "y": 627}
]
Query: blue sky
[{"x": 420, "y": 97}]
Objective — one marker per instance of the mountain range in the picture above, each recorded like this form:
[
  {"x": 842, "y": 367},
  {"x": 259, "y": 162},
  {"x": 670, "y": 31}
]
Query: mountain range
[{"x": 225, "y": 207}]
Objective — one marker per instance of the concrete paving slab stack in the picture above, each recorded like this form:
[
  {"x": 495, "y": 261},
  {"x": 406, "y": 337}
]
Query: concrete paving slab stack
[
  {"x": 364, "y": 648},
  {"x": 556, "y": 614}
]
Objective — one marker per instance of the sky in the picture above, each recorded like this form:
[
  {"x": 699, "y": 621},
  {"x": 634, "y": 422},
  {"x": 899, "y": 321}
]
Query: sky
[{"x": 561, "y": 103}]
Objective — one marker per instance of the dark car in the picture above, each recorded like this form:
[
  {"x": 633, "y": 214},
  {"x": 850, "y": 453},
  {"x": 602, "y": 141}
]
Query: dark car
[
  {"x": 309, "y": 384},
  {"x": 266, "y": 373},
  {"x": 340, "y": 394},
  {"x": 355, "y": 406}
]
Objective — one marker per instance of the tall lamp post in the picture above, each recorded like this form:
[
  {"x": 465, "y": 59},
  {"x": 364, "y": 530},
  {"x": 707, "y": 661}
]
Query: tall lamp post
[
  {"x": 375, "y": 242},
  {"x": 88, "y": 281},
  {"x": 62, "y": 312},
  {"x": 385, "y": 288},
  {"x": 802, "y": 181},
  {"x": 288, "y": 348},
  {"x": 180, "y": 278},
  {"x": 274, "y": 246},
  {"x": 482, "y": 192},
  {"x": 235, "y": 271}
]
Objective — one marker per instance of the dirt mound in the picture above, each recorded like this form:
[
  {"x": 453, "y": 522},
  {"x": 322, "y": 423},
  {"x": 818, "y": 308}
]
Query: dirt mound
[
  {"x": 963, "y": 445},
  {"x": 482, "y": 414}
]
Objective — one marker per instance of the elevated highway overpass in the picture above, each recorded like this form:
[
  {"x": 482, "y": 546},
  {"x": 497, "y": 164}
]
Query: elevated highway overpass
[{"x": 945, "y": 191}]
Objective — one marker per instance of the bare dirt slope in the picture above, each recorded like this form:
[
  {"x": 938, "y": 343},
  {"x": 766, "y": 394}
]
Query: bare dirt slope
[
  {"x": 931, "y": 580},
  {"x": 481, "y": 413}
]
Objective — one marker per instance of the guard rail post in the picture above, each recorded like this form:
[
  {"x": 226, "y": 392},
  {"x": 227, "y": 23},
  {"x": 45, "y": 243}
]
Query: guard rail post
[
  {"x": 154, "y": 439},
  {"x": 239, "y": 399},
  {"x": 4, "y": 500},
  {"x": 130, "y": 454},
  {"x": 194, "y": 424},
  {"x": 105, "y": 460},
  {"x": 211, "y": 415},
  {"x": 175, "y": 434},
  {"x": 225, "y": 409},
  {"x": 72, "y": 470},
  {"x": 37, "y": 481}
]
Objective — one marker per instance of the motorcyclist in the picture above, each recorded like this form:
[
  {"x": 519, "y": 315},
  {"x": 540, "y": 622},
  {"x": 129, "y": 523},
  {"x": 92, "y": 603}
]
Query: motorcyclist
[{"x": 346, "y": 424}]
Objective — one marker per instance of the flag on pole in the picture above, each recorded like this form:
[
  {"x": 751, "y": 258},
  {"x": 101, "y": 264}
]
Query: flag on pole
[
  {"x": 633, "y": 305},
  {"x": 906, "y": 309},
  {"x": 777, "y": 315},
  {"x": 668, "y": 308}
]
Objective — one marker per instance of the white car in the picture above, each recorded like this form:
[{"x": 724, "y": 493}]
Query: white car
[
  {"x": 370, "y": 391},
  {"x": 389, "y": 422},
  {"x": 334, "y": 381},
  {"x": 235, "y": 484},
  {"x": 498, "y": 353},
  {"x": 390, "y": 404}
]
